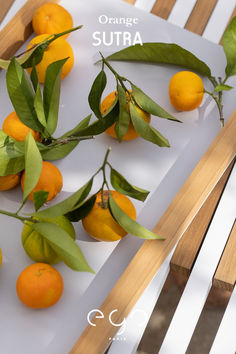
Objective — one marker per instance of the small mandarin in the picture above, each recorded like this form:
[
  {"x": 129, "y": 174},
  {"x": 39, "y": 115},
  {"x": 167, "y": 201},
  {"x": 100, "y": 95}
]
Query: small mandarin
[
  {"x": 131, "y": 133},
  {"x": 16, "y": 129},
  {"x": 39, "y": 286},
  {"x": 186, "y": 91},
  {"x": 50, "y": 180},
  {"x": 100, "y": 224},
  {"x": 9, "y": 181},
  {"x": 57, "y": 50},
  {"x": 51, "y": 18}
]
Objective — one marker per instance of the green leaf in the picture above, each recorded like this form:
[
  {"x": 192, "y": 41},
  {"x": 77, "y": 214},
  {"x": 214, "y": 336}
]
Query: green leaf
[
  {"x": 51, "y": 94},
  {"x": 162, "y": 53},
  {"x": 83, "y": 124},
  {"x": 120, "y": 184},
  {"x": 39, "y": 108},
  {"x": 34, "y": 78},
  {"x": 36, "y": 55},
  {"x": 123, "y": 121},
  {"x": 22, "y": 95},
  {"x": 229, "y": 45},
  {"x": 58, "y": 152},
  {"x": 96, "y": 93},
  {"x": 66, "y": 205},
  {"x": 129, "y": 225},
  {"x": 11, "y": 158},
  {"x": 222, "y": 87},
  {"x": 63, "y": 245},
  {"x": 145, "y": 130},
  {"x": 82, "y": 210},
  {"x": 148, "y": 105},
  {"x": 33, "y": 165},
  {"x": 40, "y": 199},
  {"x": 100, "y": 125}
]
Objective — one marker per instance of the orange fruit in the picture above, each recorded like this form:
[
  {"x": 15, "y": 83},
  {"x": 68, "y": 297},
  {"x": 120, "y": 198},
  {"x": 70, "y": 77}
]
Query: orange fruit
[
  {"x": 186, "y": 91},
  {"x": 39, "y": 286},
  {"x": 9, "y": 182},
  {"x": 51, "y": 18},
  {"x": 37, "y": 247},
  {"x": 50, "y": 181},
  {"x": 57, "y": 50},
  {"x": 131, "y": 133},
  {"x": 100, "y": 224},
  {"x": 17, "y": 130}
]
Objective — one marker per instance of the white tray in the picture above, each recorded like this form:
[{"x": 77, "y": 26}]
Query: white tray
[{"x": 160, "y": 170}]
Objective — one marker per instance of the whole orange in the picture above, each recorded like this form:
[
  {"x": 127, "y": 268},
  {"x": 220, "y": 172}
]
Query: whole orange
[
  {"x": 17, "y": 130},
  {"x": 50, "y": 180},
  {"x": 186, "y": 90},
  {"x": 131, "y": 133},
  {"x": 39, "y": 286},
  {"x": 9, "y": 182},
  {"x": 51, "y": 18},
  {"x": 100, "y": 224},
  {"x": 57, "y": 50}
]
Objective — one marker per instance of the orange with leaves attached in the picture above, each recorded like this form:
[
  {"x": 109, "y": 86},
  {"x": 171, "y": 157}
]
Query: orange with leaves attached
[
  {"x": 100, "y": 224},
  {"x": 16, "y": 129}
]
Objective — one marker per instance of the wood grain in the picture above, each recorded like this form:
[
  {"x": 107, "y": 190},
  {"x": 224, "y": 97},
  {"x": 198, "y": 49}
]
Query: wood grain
[
  {"x": 16, "y": 32},
  {"x": 225, "y": 276},
  {"x": 162, "y": 8},
  {"x": 151, "y": 255},
  {"x": 200, "y": 15},
  {"x": 187, "y": 250},
  {"x": 5, "y": 6}
]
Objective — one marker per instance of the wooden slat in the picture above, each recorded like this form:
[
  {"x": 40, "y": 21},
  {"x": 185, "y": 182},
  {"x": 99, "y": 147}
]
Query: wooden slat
[
  {"x": 5, "y": 6},
  {"x": 225, "y": 276},
  {"x": 16, "y": 32},
  {"x": 162, "y": 8},
  {"x": 151, "y": 255},
  {"x": 200, "y": 15},
  {"x": 188, "y": 247}
]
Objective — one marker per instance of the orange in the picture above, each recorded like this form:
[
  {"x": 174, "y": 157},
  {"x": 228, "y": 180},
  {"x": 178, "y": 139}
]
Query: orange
[
  {"x": 100, "y": 224},
  {"x": 131, "y": 133},
  {"x": 39, "y": 286},
  {"x": 186, "y": 91},
  {"x": 17, "y": 130},
  {"x": 9, "y": 181},
  {"x": 51, "y": 18},
  {"x": 50, "y": 181},
  {"x": 57, "y": 50},
  {"x": 37, "y": 247}
]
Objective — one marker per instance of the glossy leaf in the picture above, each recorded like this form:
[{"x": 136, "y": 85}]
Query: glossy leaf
[
  {"x": 222, "y": 87},
  {"x": 39, "y": 107},
  {"x": 123, "y": 121},
  {"x": 82, "y": 210},
  {"x": 96, "y": 93},
  {"x": 63, "y": 245},
  {"x": 129, "y": 225},
  {"x": 51, "y": 93},
  {"x": 145, "y": 130},
  {"x": 34, "y": 78},
  {"x": 83, "y": 124},
  {"x": 120, "y": 184},
  {"x": 164, "y": 53},
  {"x": 58, "y": 152},
  {"x": 22, "y": 95},
  {"x": 148, "y": 105},
  {"x": 11, "y": 159},
  {"x": 68, "y": 204},
  {"x": 33, "y": 165},
  {"x": 229, "y": 45},
  {"x": 40, "y": 199}
]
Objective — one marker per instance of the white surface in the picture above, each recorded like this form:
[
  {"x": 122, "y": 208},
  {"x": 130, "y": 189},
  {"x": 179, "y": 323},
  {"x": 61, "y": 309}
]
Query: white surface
[
  {"x": 199, "y": 284},
  {"x": 219, "y": 20},
  {"x": 145, "y": 5},
  {"x": 145, "y": 165},
  {"x": 225, "y": 341}
]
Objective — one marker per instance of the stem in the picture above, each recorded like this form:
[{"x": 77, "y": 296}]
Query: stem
[
  {"x": 14, "y": 215},
  {"x": 119, "y": 78},
  {"x": 67, "y": 140},
  {"x": 218, "y": 98},
  {"x": 105, "y": 183}
]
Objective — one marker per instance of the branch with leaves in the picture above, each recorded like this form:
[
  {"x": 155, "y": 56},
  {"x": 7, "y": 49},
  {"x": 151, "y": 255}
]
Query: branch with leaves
[
  {"x": 173, "y": 54},
  {"x": 121, "y": 117}
]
